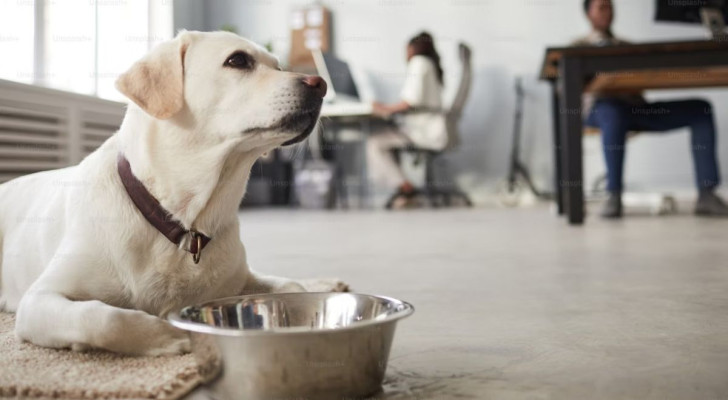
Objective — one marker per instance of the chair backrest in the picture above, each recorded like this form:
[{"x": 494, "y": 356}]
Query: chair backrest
[{"x": 461, "y": 97}]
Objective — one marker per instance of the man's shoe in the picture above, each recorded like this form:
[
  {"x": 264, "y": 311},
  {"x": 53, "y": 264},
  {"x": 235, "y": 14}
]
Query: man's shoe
[
  {"x": 613, "y": 207},
  {"x": 710, "y": 205}
]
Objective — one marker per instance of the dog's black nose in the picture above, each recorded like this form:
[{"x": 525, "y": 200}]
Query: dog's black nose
[{"x": 316, "y": 83}]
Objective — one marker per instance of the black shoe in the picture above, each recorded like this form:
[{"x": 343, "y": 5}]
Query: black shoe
[
  {"x": 613, "y": 207},
  {"x": 710, "y": 205}
]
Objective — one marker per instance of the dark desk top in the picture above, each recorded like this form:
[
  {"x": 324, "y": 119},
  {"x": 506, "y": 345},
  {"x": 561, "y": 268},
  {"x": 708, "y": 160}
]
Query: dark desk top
[{"x": 549, "y": 68}]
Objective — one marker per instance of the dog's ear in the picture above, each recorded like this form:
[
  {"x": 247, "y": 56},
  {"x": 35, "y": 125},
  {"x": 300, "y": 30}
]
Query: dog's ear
[{"x": 156, "y": 82}]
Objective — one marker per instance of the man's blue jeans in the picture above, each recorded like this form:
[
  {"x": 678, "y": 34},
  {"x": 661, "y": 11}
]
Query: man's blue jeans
[{"x": 615, "y": 118}]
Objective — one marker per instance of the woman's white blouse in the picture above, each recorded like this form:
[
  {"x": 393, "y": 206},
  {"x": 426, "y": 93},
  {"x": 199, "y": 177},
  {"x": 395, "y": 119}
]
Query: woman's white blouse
[{"x": 425, "y": 124}]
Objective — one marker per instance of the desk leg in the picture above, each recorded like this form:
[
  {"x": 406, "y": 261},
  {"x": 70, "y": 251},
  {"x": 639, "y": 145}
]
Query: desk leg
[
  {"x": 558, "y": 175},
  {"x": 366, "y": 128},
  {"x": 571, "y": 85},
  {"x": 338, "y": 187},
  {"x": 342, "y": 190}
]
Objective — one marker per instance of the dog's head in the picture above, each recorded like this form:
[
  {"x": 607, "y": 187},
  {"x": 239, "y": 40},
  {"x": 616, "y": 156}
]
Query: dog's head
[{"x": 224, "y": 87}]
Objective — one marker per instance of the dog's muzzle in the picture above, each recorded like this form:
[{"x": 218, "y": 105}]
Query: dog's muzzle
[
  {"x": 305, "y": 123},
  {"x": 314, "y": 90}
]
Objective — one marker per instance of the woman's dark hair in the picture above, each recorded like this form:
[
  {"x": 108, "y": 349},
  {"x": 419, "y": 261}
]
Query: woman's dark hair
[
  {"x": 587, "y": 3},
  {"x": 424, "y": 45}
]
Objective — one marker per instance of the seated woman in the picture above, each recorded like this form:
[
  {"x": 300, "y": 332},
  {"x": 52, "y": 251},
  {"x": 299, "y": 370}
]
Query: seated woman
[
  {"x": 616, "y": 115},
  {"x": 422, "y": 121}
]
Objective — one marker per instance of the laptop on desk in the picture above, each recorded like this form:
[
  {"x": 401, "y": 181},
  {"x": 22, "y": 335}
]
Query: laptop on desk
[{"x": 342, "y": 98}]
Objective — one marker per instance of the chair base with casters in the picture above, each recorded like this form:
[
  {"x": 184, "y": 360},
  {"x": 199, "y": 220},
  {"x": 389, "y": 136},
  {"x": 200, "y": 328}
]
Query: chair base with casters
[{"x": 435, "y": 195}]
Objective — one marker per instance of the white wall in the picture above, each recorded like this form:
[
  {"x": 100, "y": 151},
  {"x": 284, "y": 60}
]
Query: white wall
[
  {"x": 190, "y": 15},
  {"x": 508, "y": 38}
]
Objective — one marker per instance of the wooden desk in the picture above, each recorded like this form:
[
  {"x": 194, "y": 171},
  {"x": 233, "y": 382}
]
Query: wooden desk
[{"x": 616, "y": 69}]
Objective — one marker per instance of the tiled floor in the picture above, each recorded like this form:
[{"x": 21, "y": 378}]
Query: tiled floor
[{"x": 514, "y": 304}]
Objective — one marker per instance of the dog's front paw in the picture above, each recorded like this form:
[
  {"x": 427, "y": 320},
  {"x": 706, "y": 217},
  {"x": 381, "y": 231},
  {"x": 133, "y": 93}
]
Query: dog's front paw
[
  {"x": 289, "y": 287},
  {"x": 172, "y": 347},
  {"x": 168, "y": 341},
  {"x": 138, "y": 333},
  {"x": 325, "y": 285}
]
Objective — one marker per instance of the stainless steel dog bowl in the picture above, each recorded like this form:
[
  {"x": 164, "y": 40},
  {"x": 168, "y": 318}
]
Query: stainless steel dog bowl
[{"x": 294, "y": 345}]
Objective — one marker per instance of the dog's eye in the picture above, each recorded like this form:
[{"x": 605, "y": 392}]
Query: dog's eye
[{"x": 239, "y": 60}]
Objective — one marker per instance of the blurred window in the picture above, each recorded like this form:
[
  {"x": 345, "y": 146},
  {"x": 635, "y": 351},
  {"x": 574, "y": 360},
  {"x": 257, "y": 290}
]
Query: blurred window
[
  {"x": 17, "y": 24},
  {"x": 79, "y": 45}
]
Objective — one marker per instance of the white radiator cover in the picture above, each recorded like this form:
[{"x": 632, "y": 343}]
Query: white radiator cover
[{"x": 42, "y": 128}]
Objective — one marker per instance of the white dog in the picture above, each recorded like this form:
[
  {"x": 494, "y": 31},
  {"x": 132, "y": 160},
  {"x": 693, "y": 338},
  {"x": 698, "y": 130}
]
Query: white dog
[{"x": 89, "y": 259}]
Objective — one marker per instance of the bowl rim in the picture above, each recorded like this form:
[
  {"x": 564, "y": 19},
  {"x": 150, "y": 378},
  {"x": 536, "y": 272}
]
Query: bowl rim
[{"x": 177, "y": 321}]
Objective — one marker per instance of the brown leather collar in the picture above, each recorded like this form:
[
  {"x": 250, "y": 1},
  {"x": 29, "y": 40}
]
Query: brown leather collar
[{"x": 160, "y": 218}]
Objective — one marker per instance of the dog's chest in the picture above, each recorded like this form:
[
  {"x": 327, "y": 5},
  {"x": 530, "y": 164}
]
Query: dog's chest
[{"x": 172, "y": 286}]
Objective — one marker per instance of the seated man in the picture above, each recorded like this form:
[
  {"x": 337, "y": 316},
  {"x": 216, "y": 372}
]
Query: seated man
[{"x": 616, "y": 115}]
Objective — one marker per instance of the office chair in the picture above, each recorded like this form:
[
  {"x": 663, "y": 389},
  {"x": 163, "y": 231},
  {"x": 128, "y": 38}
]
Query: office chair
[{"x": 435, "y": 194}]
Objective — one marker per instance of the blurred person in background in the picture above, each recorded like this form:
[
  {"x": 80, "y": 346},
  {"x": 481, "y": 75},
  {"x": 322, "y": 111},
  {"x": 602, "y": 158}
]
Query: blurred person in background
[
  {"x": 421, "y": 122},
  {"x": 616, "y": 115}
]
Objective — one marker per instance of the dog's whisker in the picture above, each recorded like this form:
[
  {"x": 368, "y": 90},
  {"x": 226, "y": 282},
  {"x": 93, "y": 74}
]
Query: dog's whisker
[{"x": 299, "y": 150}]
